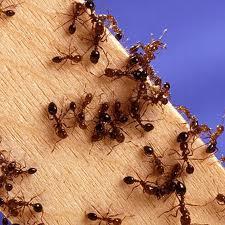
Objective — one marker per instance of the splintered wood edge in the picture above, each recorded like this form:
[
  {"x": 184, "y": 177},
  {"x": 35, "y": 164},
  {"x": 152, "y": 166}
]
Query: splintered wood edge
[{"x": 69, "y": 180}]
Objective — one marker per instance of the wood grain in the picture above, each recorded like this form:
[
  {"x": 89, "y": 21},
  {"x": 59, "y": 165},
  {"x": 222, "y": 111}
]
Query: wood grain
[{"x": 69, "y": 179}]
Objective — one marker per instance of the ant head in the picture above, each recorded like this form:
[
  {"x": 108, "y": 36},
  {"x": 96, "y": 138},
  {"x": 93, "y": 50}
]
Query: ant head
[
  {"x": 129, "y": 180},
  {"x": 148, "y": 127},
  {"x": 92, "y": 216},
  {"x": 37, "y": 207},
  {"x": 52, "y": 108},
  {"x": 148, "y": 150}
]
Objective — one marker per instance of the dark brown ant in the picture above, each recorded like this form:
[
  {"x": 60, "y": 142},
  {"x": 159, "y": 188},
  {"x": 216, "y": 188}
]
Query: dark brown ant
[
  {"x": 109, "y": 219},
  {"x": 158, "y": 165},
  {"x": 59, "y": 126},
  {"x": 7, "y": 12}
]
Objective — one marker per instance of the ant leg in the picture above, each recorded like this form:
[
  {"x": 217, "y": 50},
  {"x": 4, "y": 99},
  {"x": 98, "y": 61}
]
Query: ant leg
[
  {"x": 55, "y": 145},
  {"x": 108, "y": 62},
  {"x": 62, "y": 64},
  {"x": 63, "y": 23},
  {"x": 97, "y": 211},
  {"x": 133, "y": 190},
  {"x": 168, "y": 210},
  {"x": 175, "y": 214}
]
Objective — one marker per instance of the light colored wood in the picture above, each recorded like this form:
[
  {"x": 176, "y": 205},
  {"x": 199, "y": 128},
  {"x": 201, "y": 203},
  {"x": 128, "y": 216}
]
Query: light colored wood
[{"x": 72, "y": 180}]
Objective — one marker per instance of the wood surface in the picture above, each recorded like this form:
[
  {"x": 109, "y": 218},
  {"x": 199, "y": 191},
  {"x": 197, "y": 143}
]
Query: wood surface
[{"x": 70, "y": 180}]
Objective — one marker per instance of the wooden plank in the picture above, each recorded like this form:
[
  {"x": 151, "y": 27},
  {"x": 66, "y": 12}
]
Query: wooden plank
[{"x": 72, "y": 180}]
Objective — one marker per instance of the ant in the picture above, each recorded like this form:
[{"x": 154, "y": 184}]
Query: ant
[
  {"x": 112, "y": 24},
  {"x": 109, "y": 219},
  {"x": 149, "y": 151},
  {"x": 135, "y": 114},
  {"x": 59, "y": 126},
  {"x": 7, "y": 12},
  {"x": 115, "y": 133},
  {"x": 143, "y": 59},
  {"x": 17, "y": 205},
  {"x": 119, "y": 115},
  {"x": 185, "y": 218},
  {"x": 73, "y": 58},
  {"x": 182, "y": 139},
  {"x": 78, "y": 10},
  {"x": 100, "y": 130},
  {"x": 81, "y": 115},
  {"x": 99, "y": 34},
  {"x": 147, "y": 188},
  {"x": 195, "y": 128}
]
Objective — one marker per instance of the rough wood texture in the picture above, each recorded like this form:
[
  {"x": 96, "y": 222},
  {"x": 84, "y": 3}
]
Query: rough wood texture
[{"x": 70, "y": 179}]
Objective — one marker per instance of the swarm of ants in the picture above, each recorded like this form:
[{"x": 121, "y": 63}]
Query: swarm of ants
[{"x": 112, "y": 119}]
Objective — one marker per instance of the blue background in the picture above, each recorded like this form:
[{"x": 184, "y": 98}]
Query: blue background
[{"x": 194, "y": 61}]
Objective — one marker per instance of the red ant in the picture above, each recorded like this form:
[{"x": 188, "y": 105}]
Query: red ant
[
  {"x": 109, "y": 219},
  {"x": 119, "y": 115},
  {"x": 59, "y": 125},
  {"x": 158, "y": 165},
  {"x": 80, "y": 116},
  {"x": 185, "y": 218},
  {"x": 16, "y": 206},
  {"x": 146, "y": 185},
  {"x": 74, "y": 59},
  {"x": 100, "y": 130}
]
